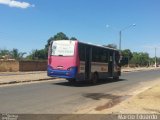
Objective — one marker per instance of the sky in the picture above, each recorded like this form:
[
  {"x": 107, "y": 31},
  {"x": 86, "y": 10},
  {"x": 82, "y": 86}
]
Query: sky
[{"x": 28, "y": 24}]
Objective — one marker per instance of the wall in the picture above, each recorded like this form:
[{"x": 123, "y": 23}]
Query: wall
[
  {"x": 9, "y": 66},
  {"x": 32, "y": 65},
  {"x": 14, "y": 66}
]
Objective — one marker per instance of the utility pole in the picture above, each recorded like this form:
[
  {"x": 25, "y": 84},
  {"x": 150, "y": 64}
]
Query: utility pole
[
  {"x": 120, "y": 34},
  {"x": 120, "y": 37},
  {"x": 155, "y": 58}
]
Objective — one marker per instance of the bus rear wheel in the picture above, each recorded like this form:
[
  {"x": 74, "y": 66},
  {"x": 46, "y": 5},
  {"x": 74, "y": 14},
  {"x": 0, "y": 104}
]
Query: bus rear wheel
[
  {"x": 116, "y": 78},
  {"x": 71, "y": 80},
  {"x": 94, "y": 78}
]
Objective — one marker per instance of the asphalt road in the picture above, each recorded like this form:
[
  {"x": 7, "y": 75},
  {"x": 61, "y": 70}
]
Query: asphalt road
[{"x": 62, "y": 97}]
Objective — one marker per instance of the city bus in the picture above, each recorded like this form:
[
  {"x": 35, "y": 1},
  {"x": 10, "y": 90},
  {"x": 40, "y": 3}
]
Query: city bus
[{"x": 80, "y": 61}]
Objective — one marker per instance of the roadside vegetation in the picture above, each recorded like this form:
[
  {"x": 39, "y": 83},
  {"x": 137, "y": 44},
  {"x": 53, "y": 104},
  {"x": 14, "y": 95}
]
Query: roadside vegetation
[{"x": 133, "y": 59}]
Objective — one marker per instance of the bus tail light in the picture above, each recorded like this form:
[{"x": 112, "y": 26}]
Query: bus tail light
[{"x": 71, "y": 68}]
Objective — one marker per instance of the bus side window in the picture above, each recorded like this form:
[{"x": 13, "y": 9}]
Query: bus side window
[
  {"x": 107, "y": 56},
  {"x": 104, "y": 56},
  {"x": 100, "y": 55},
  {"x": 110, "y": 59},
  {"x": 81, "y": 49},
  {"x": 94, "y": 54}
]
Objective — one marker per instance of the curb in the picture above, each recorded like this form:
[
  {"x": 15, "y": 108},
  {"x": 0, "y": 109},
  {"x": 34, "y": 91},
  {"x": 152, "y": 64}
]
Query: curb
[{"x": 25, "y": 81}]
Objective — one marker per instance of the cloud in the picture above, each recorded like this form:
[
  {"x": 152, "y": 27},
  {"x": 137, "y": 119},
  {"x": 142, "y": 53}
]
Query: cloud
[{"x": 14, "y": 3}]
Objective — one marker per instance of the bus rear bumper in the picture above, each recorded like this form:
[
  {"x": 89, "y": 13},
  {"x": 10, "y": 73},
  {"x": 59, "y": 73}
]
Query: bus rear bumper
[{"x": 67, "y": 74}]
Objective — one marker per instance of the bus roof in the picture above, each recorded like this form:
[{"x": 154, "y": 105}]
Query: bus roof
[
  {"x": 101, "y": 46},
  {"x": 91, "y": 44}
]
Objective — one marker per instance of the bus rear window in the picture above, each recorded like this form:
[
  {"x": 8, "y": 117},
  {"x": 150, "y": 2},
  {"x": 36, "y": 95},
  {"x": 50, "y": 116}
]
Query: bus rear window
[{"x": 63, "y": 48}]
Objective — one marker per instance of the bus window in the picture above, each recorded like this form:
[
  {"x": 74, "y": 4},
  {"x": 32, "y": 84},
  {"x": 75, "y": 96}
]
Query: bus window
[
  {"x": 104, "y": 56},
  {"x": 81, "y": 49},
  {"x": 63, "y": 48},
  {"x": 95, "y": 54},
  {"x": 99, "y": 55},
  {"x": 111, "y": 58}
]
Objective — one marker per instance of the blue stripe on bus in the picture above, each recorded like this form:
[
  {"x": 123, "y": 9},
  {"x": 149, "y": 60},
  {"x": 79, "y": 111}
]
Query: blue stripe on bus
[{"x": 68, "y": 74}]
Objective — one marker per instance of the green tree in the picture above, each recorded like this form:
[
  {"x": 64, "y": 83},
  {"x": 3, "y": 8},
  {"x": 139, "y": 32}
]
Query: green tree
[
  {"x": 41, "y": 54},
  {"x": 16, "y": 54},
  {"x": 4, "y": 52},
  {"x": 158, "y": 61},
  {"x": 73, "y": 38},
  {"x": 127, "y": 54},
  {"x": 111, "y": 46},
  {"x": 151, "y": 61},
  {"x": 135, "y": 59},
  {"x": 58, "y": 36},
  {"x": 140, "y": 59},
  {"x": 144, "y": 59},
  {"x": 37, "y": 55}
]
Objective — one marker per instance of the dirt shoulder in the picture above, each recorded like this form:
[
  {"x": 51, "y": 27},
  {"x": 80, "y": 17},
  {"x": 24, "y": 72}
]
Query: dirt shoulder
[
  {"x": 145, "y": 102},
  {"x": 142, "y": 100},
  {"x": 134, "y": 69}
]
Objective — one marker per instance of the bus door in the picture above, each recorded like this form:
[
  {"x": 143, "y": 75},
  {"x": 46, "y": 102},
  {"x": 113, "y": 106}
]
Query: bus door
[
  {"x": 111, "y": 63},
  {"x": 88, "y": 55}
]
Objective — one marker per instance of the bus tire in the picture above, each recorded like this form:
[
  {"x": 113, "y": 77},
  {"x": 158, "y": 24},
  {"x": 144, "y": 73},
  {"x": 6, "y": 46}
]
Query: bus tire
[
  {"x": 94, "y": 78},
  {"x": 71, "y": 80},
  {"x": 116, "y": 78}
]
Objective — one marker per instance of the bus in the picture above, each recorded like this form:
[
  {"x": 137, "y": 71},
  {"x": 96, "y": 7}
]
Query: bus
[{"x": 80, "y": 61}]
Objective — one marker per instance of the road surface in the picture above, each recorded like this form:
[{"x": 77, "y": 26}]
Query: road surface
[{"x": 62, "y": 97}]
